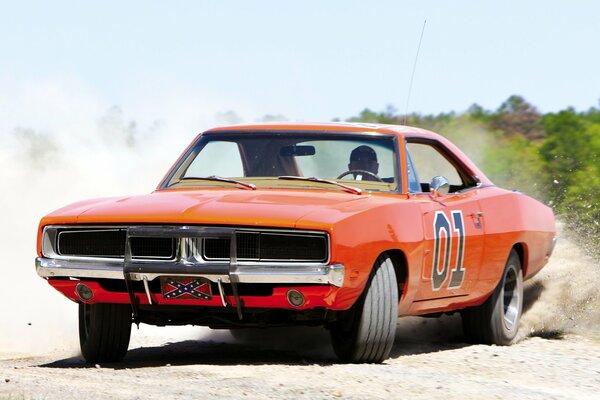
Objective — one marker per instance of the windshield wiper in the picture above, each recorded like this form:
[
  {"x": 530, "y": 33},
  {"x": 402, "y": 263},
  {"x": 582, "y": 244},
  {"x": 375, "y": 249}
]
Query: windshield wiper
[
  {"x": 320, "y": 180},
  {"x": 218, "y": 179}
]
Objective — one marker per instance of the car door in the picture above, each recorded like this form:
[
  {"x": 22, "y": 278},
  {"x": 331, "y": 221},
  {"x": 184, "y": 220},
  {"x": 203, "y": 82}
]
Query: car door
[{"x": 453, "y": 225}]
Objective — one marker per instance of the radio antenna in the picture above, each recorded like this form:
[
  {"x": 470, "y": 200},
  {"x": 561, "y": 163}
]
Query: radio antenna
[{"x": 412, "y": 76}]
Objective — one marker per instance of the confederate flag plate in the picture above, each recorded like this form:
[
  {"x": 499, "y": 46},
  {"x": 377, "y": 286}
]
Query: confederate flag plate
[{"x": 185, "y": 288}]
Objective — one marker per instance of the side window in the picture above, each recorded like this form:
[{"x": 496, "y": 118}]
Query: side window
[
  {"x": 414, "y": 185},
  {"x": 428, "y": 161},
  {"x": 217, "y": 158}
]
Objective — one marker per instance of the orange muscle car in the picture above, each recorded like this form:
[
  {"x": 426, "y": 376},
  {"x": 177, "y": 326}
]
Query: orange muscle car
[{"x": 343, "y": 225}]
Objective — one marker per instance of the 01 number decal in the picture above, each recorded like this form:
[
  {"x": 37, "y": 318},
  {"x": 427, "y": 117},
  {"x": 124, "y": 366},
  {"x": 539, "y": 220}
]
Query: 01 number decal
[{"x": 441, "y": 257}]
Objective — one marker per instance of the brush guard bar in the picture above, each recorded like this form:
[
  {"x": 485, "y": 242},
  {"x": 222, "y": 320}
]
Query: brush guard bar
[{"x": 137, "y": 269}]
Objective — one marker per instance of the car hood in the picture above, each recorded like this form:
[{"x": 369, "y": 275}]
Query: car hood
[{"x": 267, "y": 207}]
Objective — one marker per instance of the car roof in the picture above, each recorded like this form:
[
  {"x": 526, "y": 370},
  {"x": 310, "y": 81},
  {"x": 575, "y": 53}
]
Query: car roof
[{"x": 359, "y": 127}]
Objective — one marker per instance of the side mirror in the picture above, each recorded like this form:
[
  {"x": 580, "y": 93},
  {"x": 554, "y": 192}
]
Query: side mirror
[{"x": 439, "y": 186}]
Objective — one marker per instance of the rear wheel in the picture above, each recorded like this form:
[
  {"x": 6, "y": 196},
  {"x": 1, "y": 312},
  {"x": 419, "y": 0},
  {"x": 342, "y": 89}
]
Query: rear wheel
[
  {"x": 365, "y": 333},
  {"x": 104, "y": 331},
  {"x": 497, "y": 320}
]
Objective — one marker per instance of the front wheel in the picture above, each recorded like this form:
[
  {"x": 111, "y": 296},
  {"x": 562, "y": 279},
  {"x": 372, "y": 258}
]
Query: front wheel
[
  {"x": 104, "y": 331},
  {"x": 497, "y": 320},
  {"x": 365, "y": 333}
]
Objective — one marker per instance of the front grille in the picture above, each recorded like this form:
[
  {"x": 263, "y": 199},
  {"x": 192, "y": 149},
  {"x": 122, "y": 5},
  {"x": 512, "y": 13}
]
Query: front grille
[
  {"x": 255, "y": 246},
  {"x": 267, "y": 246},
  {"x": 110, "y": 243},
  {"x": 219, "y": 249},
  {"x": 147, "y": 247}
]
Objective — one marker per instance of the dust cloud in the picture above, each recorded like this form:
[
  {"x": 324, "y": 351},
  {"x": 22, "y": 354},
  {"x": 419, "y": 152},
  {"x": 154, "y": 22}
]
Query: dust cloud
[
  {"x": 564, "y": 297},
  {"x": 59, "y": 144}
]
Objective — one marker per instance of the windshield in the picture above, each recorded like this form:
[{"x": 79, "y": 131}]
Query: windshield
[{"x": 366, "y": 162}]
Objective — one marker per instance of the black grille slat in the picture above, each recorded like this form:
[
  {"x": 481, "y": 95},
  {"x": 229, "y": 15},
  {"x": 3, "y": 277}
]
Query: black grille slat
[
  {"x": 282, "y": 247},
  {"x": 247, "y": 247},
  {"x": 110, "y": 243},
  {"x": 269, "y": 247},
  {"x": 98, "y": 243},
  {"x": 147, "y": 247},
  {"x": 216, "y": 249}
]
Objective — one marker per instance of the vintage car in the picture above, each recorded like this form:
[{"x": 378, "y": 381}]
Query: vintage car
[{"x": 348, "y": 226}]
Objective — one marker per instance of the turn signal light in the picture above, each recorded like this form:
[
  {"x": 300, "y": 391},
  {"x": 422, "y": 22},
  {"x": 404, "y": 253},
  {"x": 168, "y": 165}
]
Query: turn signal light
[
  {"x": 295, "y": 298},
  {"x": 84, "y": 292}
]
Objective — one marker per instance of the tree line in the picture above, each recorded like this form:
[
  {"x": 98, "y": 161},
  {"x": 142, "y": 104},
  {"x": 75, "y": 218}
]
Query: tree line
[{"x": 554, "y": 157}]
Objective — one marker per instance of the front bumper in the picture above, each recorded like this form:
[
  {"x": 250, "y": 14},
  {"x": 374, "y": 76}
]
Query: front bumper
[
  {"x": 240, "y": 273},
  {"x": 186, "y": 264}
]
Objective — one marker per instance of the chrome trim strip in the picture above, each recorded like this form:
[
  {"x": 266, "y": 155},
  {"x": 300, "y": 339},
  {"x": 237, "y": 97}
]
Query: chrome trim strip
[
  {"x": 50, "y": 268},
  {"x": 247, "y": 273}
]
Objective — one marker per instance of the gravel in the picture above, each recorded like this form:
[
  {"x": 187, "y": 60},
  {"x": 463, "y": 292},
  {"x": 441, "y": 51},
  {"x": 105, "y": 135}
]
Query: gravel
[{"x": 535, "y": 368}]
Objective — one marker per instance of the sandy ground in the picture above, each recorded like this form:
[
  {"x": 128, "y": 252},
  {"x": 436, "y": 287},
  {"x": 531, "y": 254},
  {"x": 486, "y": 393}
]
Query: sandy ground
[
  {"x": 557, "y": 356},
  {"x": 535, "y": 368}
]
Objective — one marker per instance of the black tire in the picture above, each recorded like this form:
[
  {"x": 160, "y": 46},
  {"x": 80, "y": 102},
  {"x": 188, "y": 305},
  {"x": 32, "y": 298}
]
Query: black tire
[
  {"x": 365, "y": 333},
  {"x": 104, "y": 331},
  {"x": 497, "y": 320}
]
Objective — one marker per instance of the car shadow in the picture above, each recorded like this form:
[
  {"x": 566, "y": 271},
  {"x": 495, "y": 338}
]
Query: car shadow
[
  {"x": 419, "y": 335},
  {"x": 291, "y": 345}
]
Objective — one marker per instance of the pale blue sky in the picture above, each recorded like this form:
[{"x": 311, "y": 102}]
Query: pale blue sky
[{"x": 308, "y": 60}]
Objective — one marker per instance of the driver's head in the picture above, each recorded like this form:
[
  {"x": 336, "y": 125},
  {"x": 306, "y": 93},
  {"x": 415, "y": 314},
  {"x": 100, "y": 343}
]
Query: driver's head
[{"x": 364, "y": 158}]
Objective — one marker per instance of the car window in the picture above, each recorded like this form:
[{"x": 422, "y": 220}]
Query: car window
[
  {"x": 332, "y": 158},
  {"x": 219, "y": 158},
  {"x": 414, "y": 185},
  {"x": 429, "y": 161},
  {"x": 266, "y": 159}
]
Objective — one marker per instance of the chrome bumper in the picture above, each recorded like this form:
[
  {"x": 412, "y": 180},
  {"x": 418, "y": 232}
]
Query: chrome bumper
[{"x": 241, "y": 273}]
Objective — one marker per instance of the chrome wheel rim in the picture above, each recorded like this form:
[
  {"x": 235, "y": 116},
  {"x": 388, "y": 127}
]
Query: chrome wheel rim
[{"x": 511, "y": 298}]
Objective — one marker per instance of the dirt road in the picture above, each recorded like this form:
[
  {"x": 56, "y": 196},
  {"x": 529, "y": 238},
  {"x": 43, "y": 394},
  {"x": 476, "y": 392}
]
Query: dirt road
[{"x": 536, "y": 368}]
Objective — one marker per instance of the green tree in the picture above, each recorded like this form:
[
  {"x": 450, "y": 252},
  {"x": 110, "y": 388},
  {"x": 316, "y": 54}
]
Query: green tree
[
  {"x": 518, "y": 116},
  {"x": 566, "y": 149}
]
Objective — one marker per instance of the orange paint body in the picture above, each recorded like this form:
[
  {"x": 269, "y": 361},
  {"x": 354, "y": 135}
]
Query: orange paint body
[{"x": 360, "y": 227}]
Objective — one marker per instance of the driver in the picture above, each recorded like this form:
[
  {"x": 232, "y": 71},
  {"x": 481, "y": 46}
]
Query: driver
[{"x": 363, "y": 158}]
